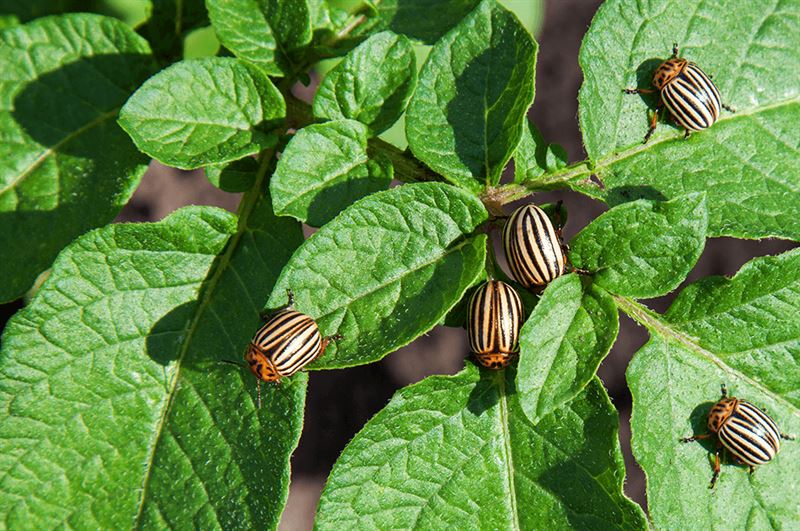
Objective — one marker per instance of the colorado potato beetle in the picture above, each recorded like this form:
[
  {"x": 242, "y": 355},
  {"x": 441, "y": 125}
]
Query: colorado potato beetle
[
  {"x": 494, "y": 316},
  {"x": 533, "y": 247},
  {"x": 749, "y": 434},
  {"x": 288, "y": 341},
  {"x": 687, "y": 92}
]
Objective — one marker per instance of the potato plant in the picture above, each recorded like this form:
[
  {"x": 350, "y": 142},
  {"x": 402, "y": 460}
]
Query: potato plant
[{"x": 116, "y": 409}]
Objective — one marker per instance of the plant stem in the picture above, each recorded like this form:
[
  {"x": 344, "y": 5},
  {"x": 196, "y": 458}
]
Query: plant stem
[
  {"x": 639, "y": 313},
  {"x": 406, "y": 167}
]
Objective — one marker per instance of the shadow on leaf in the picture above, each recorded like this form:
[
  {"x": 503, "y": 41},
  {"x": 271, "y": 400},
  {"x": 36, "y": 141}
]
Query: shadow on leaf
[
  {"x": 627, "y": 193},
  {"x": 78, "y": 121}
]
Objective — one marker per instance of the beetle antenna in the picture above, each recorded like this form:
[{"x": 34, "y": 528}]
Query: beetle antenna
[
  {"x": 258, "y": 393},
  {"x": 724, "y": 389},
  {"x": 229, "y": 362}
]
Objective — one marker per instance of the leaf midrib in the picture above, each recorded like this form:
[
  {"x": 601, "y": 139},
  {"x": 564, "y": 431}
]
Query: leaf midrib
[
  {"x": 54, "y": 149},
  {"x": 540, "y": 407},
  {"x": 581, "y": 169},
  {"x": 610, "y": 160},
  {"x": 500, "y": 378},
  {"x": 653, "y": 323},
  {"x": 248, "y": 205},
  {"x": 393, "y": 280}
]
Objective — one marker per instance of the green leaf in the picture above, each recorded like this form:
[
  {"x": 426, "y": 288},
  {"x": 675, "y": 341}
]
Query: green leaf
[
  {"x": 457, "y": 452},
  {"x": 132, "y": 12},
  {"x": 562, "y": 343},
  {"x": 468, "y": 112},
  {"x": 65, "y": 165},
  {"x": 169, "y": 22},
  {"x": 423, "y": 20},
  {"x": 201, "y": 42},
  {"x": 747, "y": 162},
  {"x": 203, "y": 111},
  {"x": 372, "y": 84},
  {"x": 534, "y": 157},
  {"x": 744, "y": 332},
  {"x": 387, "y": 269},
  {"x": 644, "y": 248},
  {"x": 752, "y": 318},
  {"x": 8, "y": 21},
  {"x": 320, "y": 13},
  {"x": 125, "y": 404},
  {"x": 263, "y": 32},
  {"x": 530, "y": 159},
  {"x": 324, "y": 169},
  {"x": 236, "y": 176},
  {"x": 31, "y": 9}
]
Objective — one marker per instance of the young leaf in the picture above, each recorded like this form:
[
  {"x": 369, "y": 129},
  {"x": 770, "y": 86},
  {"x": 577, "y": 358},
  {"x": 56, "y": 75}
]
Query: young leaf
[
  {"x": 534, "y": 157},
  {"x": 644, "y": 248},
  {"x": 262, "y": 32},
  {"x": 530, "y": 158},
  {"x": 324, "y": 169},
  {"x": 126, "y": 402},
  {"x": 753, "y": 54},
  {"x": 423, "y": 20},
  {"x": 170, "y": 21},
  {"x": 236, "y": 176},
  {"x": 457, "y": 452},
  {"x": 372, "y": 84},
  {"x": 467, "y": 114},
  {"x": 387, "y": 269},
  {"x": 563, "y": 342},
  {"x": 65, "y": 165},
  {"x": 203, "y": 111}
]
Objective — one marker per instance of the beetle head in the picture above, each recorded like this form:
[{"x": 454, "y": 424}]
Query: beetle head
[
  {"x": 667, "y": 71},
  {"x": 720, "y": 412}
]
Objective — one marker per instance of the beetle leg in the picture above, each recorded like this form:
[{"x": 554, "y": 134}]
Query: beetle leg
[
  {"x": 258, "y": 393},
  {"x": 695, "y": 438},
  {"x": 728, "y": 108},
  {"x": 686, "y": 134},
  {"x": 715, "y": 476},
  {"x": 266, "y": 314},
  {"x": 787, "y": 437},
  {"x": 326, "y": 341},
  {"x": 638, "y": 90},
  {"x": 559, "y": 220},
  {"x": 752, "y": 470},
  {"x": 653, "y": 124},
  {"x": 724, "y": 389}
]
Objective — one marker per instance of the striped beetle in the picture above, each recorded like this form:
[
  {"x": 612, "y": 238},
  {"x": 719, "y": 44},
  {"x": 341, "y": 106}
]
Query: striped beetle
[
  {"x": 749, "y": 434},
  {"x": 494, "y": 316},
  {"x": 288, "y": 341},
  {"x": 687, "y": 92},
  {"x": 533, "y": 247}
]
